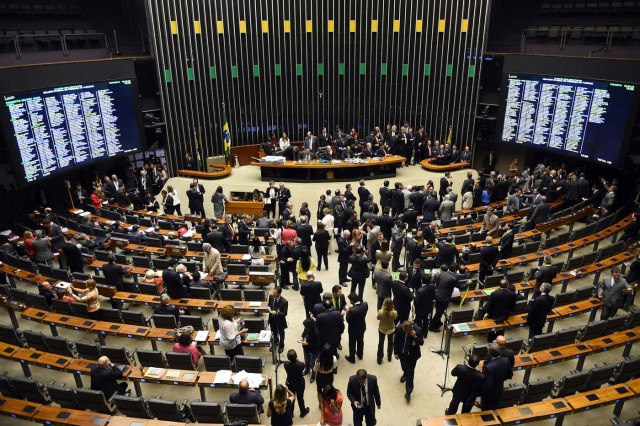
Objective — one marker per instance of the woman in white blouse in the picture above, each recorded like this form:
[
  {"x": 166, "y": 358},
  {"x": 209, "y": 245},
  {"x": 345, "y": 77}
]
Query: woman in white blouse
[
  {"x": 176, "y": 200},
  {"x": 328, "y": 221},
  {"x": 284, "y": 142},
  {"x": 230, "y": 333}
]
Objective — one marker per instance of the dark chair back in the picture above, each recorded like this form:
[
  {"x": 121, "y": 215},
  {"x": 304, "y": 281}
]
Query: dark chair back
[
  {"x": 207, "y": 412},
  {"x": 132, "y": 406},
  {"x": 151, "y": 359},
  {"x": 251, "y": 364},
  {"x": 119, "y": 354},
  {"x": 180, "y": 361},
  {"x": 168, "y": 410},
  {"x": 64, "y": 397},
  {"x": 30, "y": 389},
  {"x": 538, "y": 390},
  {"x": 216, "y": 362},
  {"x": 95, "y": 401},
  {"x": 88, "y": 350},
  {"x": 247, "y": 412}
]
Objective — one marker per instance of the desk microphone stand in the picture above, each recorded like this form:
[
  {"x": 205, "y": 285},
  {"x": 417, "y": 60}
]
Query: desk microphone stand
[
  {"x": 275, "y": 353},
  {"x": 442, "y": 351},
  {"x": 443, "y": 387}
]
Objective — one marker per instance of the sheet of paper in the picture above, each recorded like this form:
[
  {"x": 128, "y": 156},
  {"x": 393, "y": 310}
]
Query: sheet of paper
[
  {"x": 254, "y": 379},
  {"x": 201, "y": 336},
  {"x": 239, "y": 376},
  {"x": 222, "y": 376}
]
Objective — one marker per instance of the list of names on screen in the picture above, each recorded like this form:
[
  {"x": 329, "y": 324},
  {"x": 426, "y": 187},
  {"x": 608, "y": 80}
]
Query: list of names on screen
[
  {"x": 586, "y": 118},
  {"x": 62, "y": 127}
]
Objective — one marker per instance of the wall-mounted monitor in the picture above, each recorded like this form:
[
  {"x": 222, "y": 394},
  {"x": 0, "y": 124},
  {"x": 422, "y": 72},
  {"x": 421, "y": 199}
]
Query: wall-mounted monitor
[{"x": 55, "y": 129}]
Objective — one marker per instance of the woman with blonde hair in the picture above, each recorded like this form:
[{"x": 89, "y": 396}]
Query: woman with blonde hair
[
  {"x": 90, "y": 297},
  {"x": 280, "y": 408},
  {"x": 176, "y": 200},
  {"x": 230, "y": 333},
  {"x": 386, "y": 328}
]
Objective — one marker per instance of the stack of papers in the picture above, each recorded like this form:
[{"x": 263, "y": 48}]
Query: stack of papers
[
  {"x": 252, "y": 336},
  {"x": 201, "y": 336},
  {"x": 222, "y": 376},
  {"x": 255, "y": 304},
  {"x": 172, "y": 374},
  {"x": 154, "y": 373},
  {"x": 462, "y": 327},
  {"x": 254, "y": 379},
  {"x": 265, "y": 336},
  {"x": 246, "y": 257}
]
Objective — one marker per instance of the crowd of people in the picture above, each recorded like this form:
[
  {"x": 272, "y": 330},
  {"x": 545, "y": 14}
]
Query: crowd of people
[{"x": 379, "y": 239}]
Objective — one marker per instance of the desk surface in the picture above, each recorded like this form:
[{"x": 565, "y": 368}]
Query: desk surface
[
  {"x": 587, "y": 400},
  {"x": 18, "y": 407},
  {"x": 534, "y": 411},
  {"x": 185, "y": 377},
  {"x": 57, "y": 415},
  {"x": 390, "y": 159}
]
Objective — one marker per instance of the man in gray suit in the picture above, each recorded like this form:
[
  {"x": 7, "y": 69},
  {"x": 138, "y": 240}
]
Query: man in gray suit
[
  {"x": 42, "y": 247},
  {"x": 446, "y": 208},
  {"x": 611, "y": 291},
  {"x": 383, "y": 282}
]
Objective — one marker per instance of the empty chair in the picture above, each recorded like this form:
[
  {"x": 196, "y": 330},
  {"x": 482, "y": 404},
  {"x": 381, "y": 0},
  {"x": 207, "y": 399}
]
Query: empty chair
[
  {"x": 570, "y": 384},
  {"x": 79, "y": 309},
  {"x": 613, "y": 324},
  {"x": 35, "y": 300},
  {"x": 132, "y": 406},
  {"x": 592, "y": 330},
  {"x": 195, "y": 321},
  {"x": 521, "y": 307},
  {"x": 461, "y": 316},
  {"x": 255, "y": 295},
  {"x": 155, "y": 242},
  {"x": 599, "y": 375},
  {"x": 515, "y": 345},
  {"x": 567, "y": 336},
  {"x": 255, "y": 325},
  {"x": 207, "y": 412},
  {"x": 131, "y": 219},
  {"x": 11, "y": 335},
  {"x": 515, "y": 277},
  {"x": 230, "y": 294},
  {"x": 531, "y": 247},
  {"x": 166, "y": 225},
  {"x": 119, "y": 354},
  {"x": 19, "y": 295},
  {"x": 145, "y": 221},
  {"x": 169, "y": 410},
  {"x": 111, "y": 315},
  {"x": 627, "y": 370},
  {"x": 200, "y": 293},
  {"x": 237, "y": 268},
  {"x": 141, "y": 261},
  {"x": 251, "y": 364},
  {"x": 64, "y": 396},
  {"x": 511, "y": 395},
  {"x": 146, "y": 288},
  {"x": 180, "y": 361},
  {"x": 538, "y": 390},
  {"x": 590, "y": 257},
  {"x": 60, "y": 307},
  {"x": 134, "y": 318},
  {"x": 96, "y": 401},
  {"x": 164, "y": 321},
  {"x": 160, "y": 264},
  {"x": 541, "y": 342},
  {"x": 493, "y": 280},
  {"x": 35, "y": 340},
  {"x": 633, "y": 319},
  {"x": 88, "y": 350},
  {"x": 6, "y": 389},
  {"x": 61, "y": 274},
  {"x": 80, "y": 276},
  {"x": 247, "y": 412},
  {"x": 481, "y": 350},
  {"x": 239, "y": 248},
  {"x": 216, "y": 362},
  {"x": 61, "y": 346},
  {"x": 29, "y": 389},
  {"x": 194, "y": 246},
  {"x": 151, "y": 358},
  {"x": 564, "y": 298},
  {"x": 583, "y": 293}
]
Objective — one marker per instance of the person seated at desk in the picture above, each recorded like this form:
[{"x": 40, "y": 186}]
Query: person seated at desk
[
  {"x": 150, "y": 277},
  {"x": 104, "y": 377},
  {"x": 347, "y": 154},
  {"x": 164, "y": 308},
  {"x": 382, "y": 151},
  {"x": 199, "y": 281},
  {"x": 325, "y": 154},
  {"x": 185, "y": 344},
  {"x": 306, "y": 155},
  {"x": 47, "y": 290},
  {"x": 266, "y": 148},
  {"x": 368, "y": 151},
  {"x": 247, "y": 395}
]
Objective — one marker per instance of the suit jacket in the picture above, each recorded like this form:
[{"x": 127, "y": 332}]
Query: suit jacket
[
  {"x": 305, "y": 232},
  {"x": 42, "y": 247},
  {"x": 167, "y": 310},
  {"x": 251, "y": 397},
  {"x": 385, "y": 222},
  {"x": 113, "y": 273},
  {"x": 489, "y": 256},
  {"x": 56, "y": 235},
  {"x": 279, "y": 320},
  {"x": 105, "y": 379},
  {"x": 357, "y": 318},
  {"x": 506, "y": 244},
  {"x": 344, "y": 249},
  {"x": 539, "y": 308},
  {"x": 423, "y": 302},
  {"x": 447, "y": 253},
  {"x": 354, "y": 393},
  {"x": 311, "y": 143},
  {"x": 469, "y": 382},
  {"x": 397, "y": 200},
  {"x": 385, "y": 197},
  {"x": 445, "y": 283},
  {"x": 501, "y": 303},
  {"x": 429, "y": 208},
  {"x": 359, "y": 267},
  {"x": 218, "y": 241},
  {"x": 363, "y": 195},
  {"x": 540, "y": 213},
  {"x": 612, "y": 295},
  {"x": 545, "y": 274},
  {"x": 196, "y": 200},
  {"x": 311, "y": 292},
  {"x": 465, "y": 156},
  {"x": 496, "y": 371},
  {"x": 384, "y": 282},
  {"x": 414, "y": 280},
  {"x": 330, "y": 325},
  {"x": 402, "y": 298},
  {"x": 405, "y": 346},
  {"x": 174, "y": 284},
  {"x": 74, "y": 257}
]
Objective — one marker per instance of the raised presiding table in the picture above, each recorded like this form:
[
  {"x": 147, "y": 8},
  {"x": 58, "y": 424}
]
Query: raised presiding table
[
  {"x": 315, "y": 171},
  {"x": 430, "y": 164}
]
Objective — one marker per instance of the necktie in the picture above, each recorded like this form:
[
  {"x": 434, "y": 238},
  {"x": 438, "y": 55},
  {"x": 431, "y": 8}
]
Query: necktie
[
  {"x": 363, "y": 393},
  {"x": 335, "y": 302}
]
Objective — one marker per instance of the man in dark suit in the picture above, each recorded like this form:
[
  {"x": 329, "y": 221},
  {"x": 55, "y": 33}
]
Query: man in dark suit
[
  {"x": 173, "y": 283},
  {"x": 489, "y": 256},
  {"x": 505, "y": 352},
  {"x": 330, "y": 325},
  {"x": 385, "y": 222},
  {"x": 455, "y": 154},
  {"x": 311, "y": 291},
  {"x": 247, "y": 395},
  {"x": 278, "y": 307},
  {"x": 104, "y": 377},
  {"x": 196, "y": 200},
  {"x": 397, "y": 200},
  {"x": 382, "y": 283},
  {"x": 496, "y": 371},
  {"x": 408, "y": 339},
  {"x": 218, "y": 241},
  {"x": 423, "y": 303},
  {"x": 364, "y": 394},
  {"x": 465, "y": 156},
  {"x": 243, "y": 230},
  {"x": 445, "y": 182},
  {"x": 73, "y": 255},
  {"x": 344, "y": 253},
  {"x": 539, "y": 308},
  {"x": 282, "y": 196},
  {"x": 468, "y": 385},
  {"x": 311, "y": 142},
  {"x": 363, "y": 196},
  {"x": 500, "y": 305},
  {"x": 506, "y": 241},
  {"x": 540, "y": 213},
  {"x": 402, "y": 297},
  {"x": 79, "y": 196},
  {"x": 189, "y": 163},
  {"x": 359, "y": 271},
  {"x": 430, "y": 207},
  {"x": 113, "y": 273},
  {"x": 445, "y": 282},
  {"x": 305, "y": 232},
  {"x": 467, "y": 184},
  {"x": 545, "y": 274},
  {"x": 447, "y": 252},
  {"x": 357, "y": 319},
  {"x": 611, "y": 291},
  {"x": 54, "y": 233},
  {"x": 385, "y": 195},
  {"x": 164, "y": 308}
]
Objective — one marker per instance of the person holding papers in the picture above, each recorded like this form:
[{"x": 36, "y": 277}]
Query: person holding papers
[{"x": 230, "y": 332}]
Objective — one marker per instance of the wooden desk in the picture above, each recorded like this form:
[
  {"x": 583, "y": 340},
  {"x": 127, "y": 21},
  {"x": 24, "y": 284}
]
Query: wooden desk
[
  {"x": 430, "y": 164},
  {"x": 40, "y": 359},
  {"x": 185, "y": 378},
  {"x": 148, "y": 299},
  {"x": 62, "y": 416},
  {"x": 584, "y": 401},
  {"x": 104, "y": 328},
  {"x": 222, "y": 170},
  {"x": 244, "y": 306},
  {"x": 621, "y": 338},
  {"x": 480, "y": 327},
  {"x": 132, "y": 421},
  {"x": 634, "y": 385},
  {"x": 253, "y": 208},
  {"x": 547, "y": 409},
  {"x": 315, "y": 171},
  {"x": 440, "y": 421},
  {"x": 207, "y": 380},
  {"x": 480, "y": 209},
  {"x": 18, "y": 408},
  {"x": 562, "y": 353},
  {"x": 478, "y": 418}
]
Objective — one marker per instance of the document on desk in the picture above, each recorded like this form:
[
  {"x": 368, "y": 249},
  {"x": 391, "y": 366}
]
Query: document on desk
[
  {"x": 461, "y": 327},
  {"x": 222, "y": 376},
  {"x": 201, "y": 336},
  {"x": 255, "y": 304},
  {"x": 265, "y": 336},
  {"x": 255, "y": 380},
  {"x": 246, "y": 257},
  {"x": 172, "y": 374},
  {"x": 239, "y": 376}
]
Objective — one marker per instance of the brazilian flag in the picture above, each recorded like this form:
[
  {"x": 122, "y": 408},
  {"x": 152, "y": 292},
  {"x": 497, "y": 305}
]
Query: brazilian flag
[{"x": 226, "y": 134}]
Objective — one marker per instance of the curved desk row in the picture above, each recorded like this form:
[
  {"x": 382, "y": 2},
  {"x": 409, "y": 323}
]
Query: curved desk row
[
  {"x": 430, "y": 164},
  {"x": 315, "y": 171},
  {"x": 220, "y": 171}
]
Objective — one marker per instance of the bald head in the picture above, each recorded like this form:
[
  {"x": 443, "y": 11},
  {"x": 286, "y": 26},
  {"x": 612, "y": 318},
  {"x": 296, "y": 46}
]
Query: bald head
[
  {"x": 501, "y": 341},
  {"x": 244, "y": 386},
  {"x": 104, "y": 361}
]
